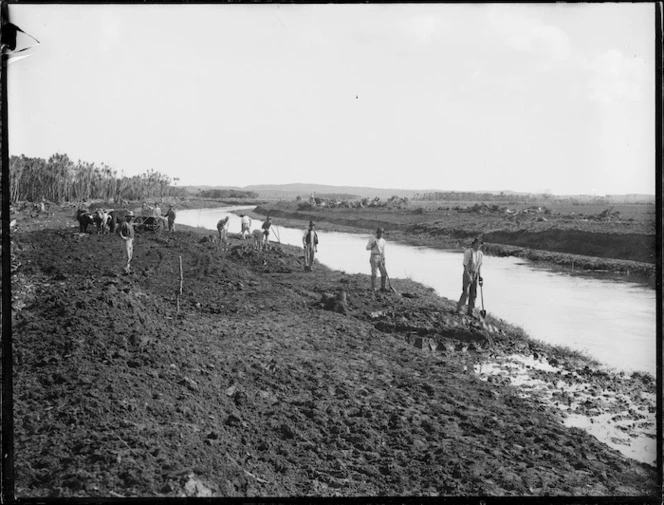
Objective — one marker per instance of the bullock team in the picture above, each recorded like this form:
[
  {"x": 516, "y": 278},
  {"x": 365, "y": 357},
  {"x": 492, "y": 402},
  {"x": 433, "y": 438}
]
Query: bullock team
[
  {"x": 103, "y": 220},
  {"x": 121, "y": 222}
]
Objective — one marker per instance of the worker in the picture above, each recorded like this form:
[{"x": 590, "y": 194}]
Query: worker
[
  {"x": 377, "y": 259},
  {"x": 472, "y": 263},
  {"x": 126, "y": 232},
  {"x": 266, "y": 230},
  {"x": 310, "y": 244},
  {"x": 170, "y": 215},
  {"x": 222, "y": 228},
  {"x": 246, "y": 226}
]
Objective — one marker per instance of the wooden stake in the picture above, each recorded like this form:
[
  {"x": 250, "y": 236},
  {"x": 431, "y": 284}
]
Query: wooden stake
[
  {"x": 177, "y": 297},
  {"x": 180, "y": 257}
]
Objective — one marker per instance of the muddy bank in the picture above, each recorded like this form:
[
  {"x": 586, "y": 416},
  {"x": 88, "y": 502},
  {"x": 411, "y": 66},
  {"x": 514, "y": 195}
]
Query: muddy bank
[
  {"x": 627, "y": 253},
  {"x": 251, "y": 383},
  {"x": 625, "y": 246}
]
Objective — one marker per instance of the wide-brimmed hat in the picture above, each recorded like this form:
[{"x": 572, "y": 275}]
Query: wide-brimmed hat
[
  {"x": 380, "y": 229},
  {"x": 477, "y": 240},
  {"x": 129, "y": 214}
]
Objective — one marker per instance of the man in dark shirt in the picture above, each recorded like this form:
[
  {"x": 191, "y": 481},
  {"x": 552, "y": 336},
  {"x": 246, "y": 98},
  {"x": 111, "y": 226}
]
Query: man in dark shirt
[
  {"x": 170, "y": 215},
  {"x": 266, "y": 230},
  {"x": 310, "y": 244}
]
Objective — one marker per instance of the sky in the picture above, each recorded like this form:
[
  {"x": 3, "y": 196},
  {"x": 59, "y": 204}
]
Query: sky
[{"x": 554, "y": 98}]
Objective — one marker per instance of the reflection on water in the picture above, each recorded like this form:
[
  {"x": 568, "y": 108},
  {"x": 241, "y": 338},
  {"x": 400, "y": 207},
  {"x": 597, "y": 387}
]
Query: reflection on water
[{"x": 610, "y": 320}]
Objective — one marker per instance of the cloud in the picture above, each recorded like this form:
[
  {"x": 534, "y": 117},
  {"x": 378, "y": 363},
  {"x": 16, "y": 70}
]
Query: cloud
[
  {"x": 397, "y": 25},
  {"x": 424, "y": 29},
  {"x": 615, "y": 77},
  {"x": 110, "y": 33},
  {"x": 528, "y": 34}
]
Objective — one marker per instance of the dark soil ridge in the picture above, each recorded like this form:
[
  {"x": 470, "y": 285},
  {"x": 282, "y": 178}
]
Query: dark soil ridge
[
  {"x": 254, "y": 389},
  {"x": 627, "y": 253}
]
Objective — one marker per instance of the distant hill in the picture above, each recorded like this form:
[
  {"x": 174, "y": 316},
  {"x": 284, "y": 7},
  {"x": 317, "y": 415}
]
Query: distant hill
[
  {"x": 300, "y": 189},
  {"x": 291, "y": 191}
]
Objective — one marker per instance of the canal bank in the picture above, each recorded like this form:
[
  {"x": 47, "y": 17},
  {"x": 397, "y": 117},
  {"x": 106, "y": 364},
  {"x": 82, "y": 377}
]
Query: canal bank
[{"x": 608, "y": 318}]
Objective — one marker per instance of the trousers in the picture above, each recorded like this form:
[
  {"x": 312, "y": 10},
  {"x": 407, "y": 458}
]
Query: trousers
[
  {"x": 468, "y": 291},
  {"x": 129, "y": 250}
]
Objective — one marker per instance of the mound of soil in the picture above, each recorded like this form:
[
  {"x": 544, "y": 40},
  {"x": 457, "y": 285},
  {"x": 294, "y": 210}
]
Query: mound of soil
[{"x": 252, "y": 382}]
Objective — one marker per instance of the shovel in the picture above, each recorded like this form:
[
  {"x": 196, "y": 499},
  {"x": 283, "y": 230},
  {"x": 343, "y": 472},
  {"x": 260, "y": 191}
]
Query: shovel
[
  {"x": 482, "y": 312},
  {"x": 389, "y": 284},
  {"x": 276, "y": 234}
]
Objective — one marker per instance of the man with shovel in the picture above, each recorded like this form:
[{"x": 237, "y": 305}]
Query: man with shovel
[
  {"x": 310, "y": 244},
  {"x": 472, "y": 263},
  {"x": 377, "y": 259}
]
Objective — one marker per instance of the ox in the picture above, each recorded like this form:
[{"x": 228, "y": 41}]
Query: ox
[
  {"x": 112, "y": 220},
  {"x": 84, "y": 219},
  {"x": 100, "y": 218}
]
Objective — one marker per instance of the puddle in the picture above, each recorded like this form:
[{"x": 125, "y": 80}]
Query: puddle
[{"x": 623, "y": 420}]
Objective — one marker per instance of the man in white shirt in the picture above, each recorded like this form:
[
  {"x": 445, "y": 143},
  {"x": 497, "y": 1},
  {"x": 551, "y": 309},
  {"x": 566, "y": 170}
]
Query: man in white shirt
[
  {"x": 246, "y": 226},
  {"x": 472, "y": 263},
  {"x": 377, "y": 259}
]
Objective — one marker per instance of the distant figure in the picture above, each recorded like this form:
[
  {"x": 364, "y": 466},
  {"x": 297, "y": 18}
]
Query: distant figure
[
  {"x": 266, "y": 229},
  {"x": 310, "y": 244},
  {"x": 377, "y": 259},
  {"x": 472, "y": 263},
  {"x": 222, "y": 228},
  {"x": 146, "y": 210},
  {"x": 126, "y": 232},
  {"x": 170, "y": 216},
  {"x": 246, "y": 226},
  {"x": 156, "y": 212}
]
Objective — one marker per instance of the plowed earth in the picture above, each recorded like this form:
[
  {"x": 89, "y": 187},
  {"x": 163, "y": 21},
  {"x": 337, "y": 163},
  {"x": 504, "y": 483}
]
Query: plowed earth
[{"x": 249, "y": 385}]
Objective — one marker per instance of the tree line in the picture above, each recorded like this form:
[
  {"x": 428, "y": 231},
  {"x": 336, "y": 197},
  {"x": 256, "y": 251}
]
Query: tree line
[{"x": 59, "y": 179}]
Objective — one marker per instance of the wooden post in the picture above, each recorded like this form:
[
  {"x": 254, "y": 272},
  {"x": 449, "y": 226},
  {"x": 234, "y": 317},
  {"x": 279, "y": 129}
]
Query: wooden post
[{"x": 181, "y": 279}]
